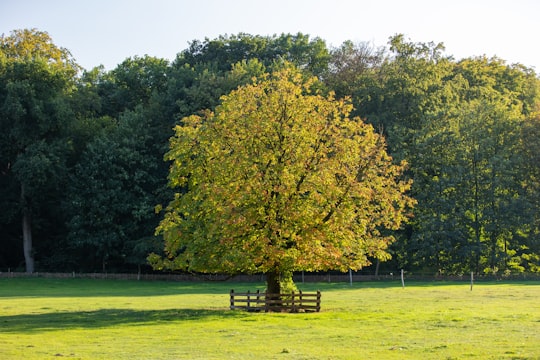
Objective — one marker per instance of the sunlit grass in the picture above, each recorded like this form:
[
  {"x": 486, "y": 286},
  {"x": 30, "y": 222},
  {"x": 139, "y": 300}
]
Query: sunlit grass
[{"x": 105, "y": 319}]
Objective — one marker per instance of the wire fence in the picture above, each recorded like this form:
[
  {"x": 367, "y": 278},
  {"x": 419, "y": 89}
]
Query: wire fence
[{"x": 298, "y": 277}]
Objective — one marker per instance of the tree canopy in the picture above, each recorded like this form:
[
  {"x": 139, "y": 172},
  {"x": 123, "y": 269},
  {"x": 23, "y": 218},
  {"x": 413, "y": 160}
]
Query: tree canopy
[
  {"x": 280, "y": 179},
  {"x": 36, "y": 78},
  {"x": 81, "y": 158}
]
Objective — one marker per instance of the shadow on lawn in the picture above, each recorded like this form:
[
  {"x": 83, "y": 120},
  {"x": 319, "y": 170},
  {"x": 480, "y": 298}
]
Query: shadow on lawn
[
  {"x": 41, "y": 287},
  {"x": 29, "y": 323}
]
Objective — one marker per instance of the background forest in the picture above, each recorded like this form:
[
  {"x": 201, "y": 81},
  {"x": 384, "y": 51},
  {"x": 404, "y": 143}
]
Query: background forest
[{"x": 81, "y": 151}]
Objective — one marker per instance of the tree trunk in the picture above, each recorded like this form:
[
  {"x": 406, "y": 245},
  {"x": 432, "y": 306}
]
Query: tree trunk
[
  {"x": 27, "y": 233},
  {"x": 273, "y": 285}
]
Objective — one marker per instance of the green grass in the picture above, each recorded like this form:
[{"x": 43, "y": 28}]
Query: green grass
[{"x": 106, "y": 319}]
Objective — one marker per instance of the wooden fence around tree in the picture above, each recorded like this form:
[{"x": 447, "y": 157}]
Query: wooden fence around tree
[{"x": 259, "y": 301}]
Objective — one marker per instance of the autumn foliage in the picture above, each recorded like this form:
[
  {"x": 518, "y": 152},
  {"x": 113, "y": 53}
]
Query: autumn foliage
[{"x": 280, "y": 179}]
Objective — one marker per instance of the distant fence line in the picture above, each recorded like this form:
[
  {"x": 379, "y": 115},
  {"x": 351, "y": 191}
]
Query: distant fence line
[{"x": 298, "y": 278}]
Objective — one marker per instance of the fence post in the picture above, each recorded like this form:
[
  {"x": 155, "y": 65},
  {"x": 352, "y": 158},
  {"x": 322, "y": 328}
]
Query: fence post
[
  {"x": 232, "y": 299},
  {"x": 318, "y": 300},
  {"x": 257, "y": 294},
  {"x": 248, "y": 300}
]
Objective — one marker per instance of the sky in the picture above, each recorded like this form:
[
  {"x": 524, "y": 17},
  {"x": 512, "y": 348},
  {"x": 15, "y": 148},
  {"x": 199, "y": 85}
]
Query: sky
[{"x": 106, "y": 32}]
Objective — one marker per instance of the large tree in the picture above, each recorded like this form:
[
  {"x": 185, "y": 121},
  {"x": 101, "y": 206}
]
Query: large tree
[
  {"x": 279, "y": 179},
  {"x": 111, "y": 195},
  {"x": 220, "y": 53},
  {"x": 36, "y": 77},
  {"x": 466, "y": 163}
]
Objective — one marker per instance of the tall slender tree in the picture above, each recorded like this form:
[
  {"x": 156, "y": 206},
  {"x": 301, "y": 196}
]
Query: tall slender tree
[{"x": 35, "y": 78}]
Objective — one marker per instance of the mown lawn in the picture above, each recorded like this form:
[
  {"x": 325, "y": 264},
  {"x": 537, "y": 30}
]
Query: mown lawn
[{"x": 107, "y": 319}]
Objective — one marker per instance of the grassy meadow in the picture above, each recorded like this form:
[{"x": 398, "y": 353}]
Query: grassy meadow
[{"x": 114, "y": 319}]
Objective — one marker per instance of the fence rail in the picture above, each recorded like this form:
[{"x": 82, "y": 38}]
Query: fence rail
[{"x": 258, "y": 301}]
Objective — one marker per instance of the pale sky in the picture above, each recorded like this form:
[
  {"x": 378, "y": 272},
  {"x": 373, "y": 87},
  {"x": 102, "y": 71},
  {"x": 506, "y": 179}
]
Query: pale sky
[{"x": 109, "y": 31}]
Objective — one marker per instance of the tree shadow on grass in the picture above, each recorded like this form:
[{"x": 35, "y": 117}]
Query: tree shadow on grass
[
  {"x": 42, "y": 287},
  {"x": 28, "y": 323}
]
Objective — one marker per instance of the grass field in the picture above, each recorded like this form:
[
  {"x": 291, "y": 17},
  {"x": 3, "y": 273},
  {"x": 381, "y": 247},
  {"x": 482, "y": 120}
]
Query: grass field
[{"x": 106, "y": 319}]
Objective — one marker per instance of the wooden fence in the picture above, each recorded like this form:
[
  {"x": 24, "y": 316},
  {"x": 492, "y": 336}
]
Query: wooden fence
[{"x": 258, "y": 301}]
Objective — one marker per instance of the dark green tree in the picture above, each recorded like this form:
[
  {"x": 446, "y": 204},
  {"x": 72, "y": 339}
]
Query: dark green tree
[
  {"x": 132, "y": 83},
  {"x": 112, "y": 195},
  {"x": 471, "y": 212},
  {"x": 460, "y": 126},
  {"x": 529, "y": 249},
  {"x": 309, "y": 54},
  {"x": 36, "y": 78}
]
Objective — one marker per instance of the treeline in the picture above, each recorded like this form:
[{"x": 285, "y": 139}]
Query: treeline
[{"x": 81, "y": 151}]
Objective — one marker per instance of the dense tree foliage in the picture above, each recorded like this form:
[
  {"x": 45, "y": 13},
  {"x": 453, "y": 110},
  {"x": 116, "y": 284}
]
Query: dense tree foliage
[
  {"x": 112, "y": 194},
  {"x": 459, "y": 124},
  {"x": 278, "y": 180},
  {"x": 310, "y": 55},
  {"x": 36, "y": 78},
  {"x": 81, "y": 151}
]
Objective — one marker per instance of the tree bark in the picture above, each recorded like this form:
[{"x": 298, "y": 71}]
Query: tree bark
[
  {"x": 27, "y": 233},
  {"x": 272, "y": 282},
  {"x": 273, "y": 287}
]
